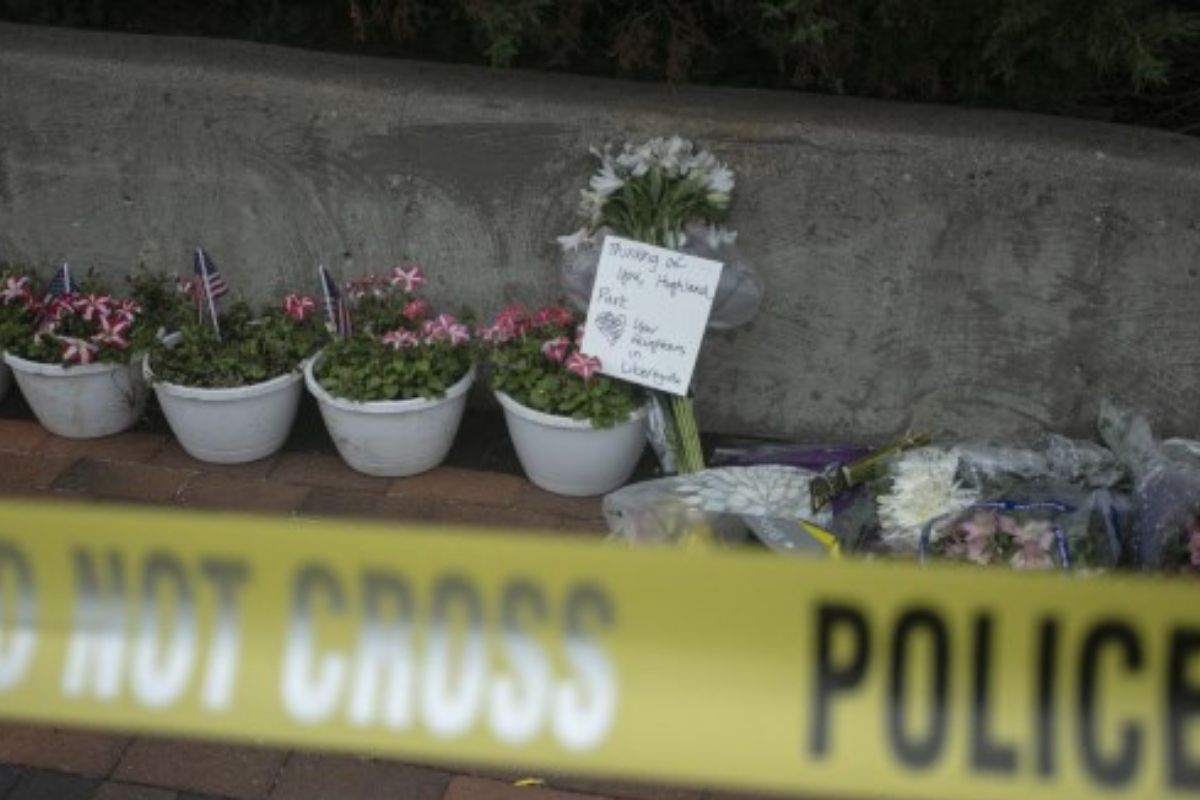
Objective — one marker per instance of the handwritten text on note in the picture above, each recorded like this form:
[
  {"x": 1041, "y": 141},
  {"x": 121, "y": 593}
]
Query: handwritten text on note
[{"x": 648, "y": 313}]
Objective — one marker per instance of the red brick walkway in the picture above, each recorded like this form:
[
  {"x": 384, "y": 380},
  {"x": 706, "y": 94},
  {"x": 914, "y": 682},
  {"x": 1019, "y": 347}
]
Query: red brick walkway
[{"x": 150, "y": 468}]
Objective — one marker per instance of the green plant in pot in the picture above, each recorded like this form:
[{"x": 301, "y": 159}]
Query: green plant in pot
[
  {"x": 576, "y": 432},
  {"x": 392, "y": 393},
  {"x": 75, "y": 351},
  {"x": 232, "y": 396},
  {"x": 18, "y": 314}
]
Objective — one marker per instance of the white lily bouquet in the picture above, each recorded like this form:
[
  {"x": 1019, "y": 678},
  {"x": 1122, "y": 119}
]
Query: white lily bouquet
[
  {"x": 667, "y": 193},
  {"x": 664, "y": 192}
]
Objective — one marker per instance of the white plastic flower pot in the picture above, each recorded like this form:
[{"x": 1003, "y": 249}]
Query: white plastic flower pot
[
  {"x": 234, "y": 425},
  {"x": 82, "y": 401},
  {"x": 391, "y": 438},
  {"x": 569, "y": 456}
]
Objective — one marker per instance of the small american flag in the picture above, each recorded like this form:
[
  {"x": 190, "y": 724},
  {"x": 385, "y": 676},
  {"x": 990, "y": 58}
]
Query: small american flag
[
  {"x": 336, "y": 310},
  {"x": 62, "y": 282},
  {"x": 210, "y": 277}
]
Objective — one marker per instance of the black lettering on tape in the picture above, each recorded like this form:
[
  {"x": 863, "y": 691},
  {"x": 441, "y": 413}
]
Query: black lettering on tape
[
  {"x": 17, "y": 645},
  {"x": 987, "y": 755},
  {"x": 1183, "y": 706},
  {"x": 1121, "y": 768},
  {"x": 830, "y": 678},
  {"x": 913, "y": 752},
  {"x": 1047, "y": 687}
]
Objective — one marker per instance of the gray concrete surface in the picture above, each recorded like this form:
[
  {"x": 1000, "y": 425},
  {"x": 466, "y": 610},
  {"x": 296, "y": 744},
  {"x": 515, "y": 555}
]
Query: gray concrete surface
[{"x": 969, "y": 272}]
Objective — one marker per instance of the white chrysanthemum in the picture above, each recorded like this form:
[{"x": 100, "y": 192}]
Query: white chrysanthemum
[
  {"x": 573, "y": 241},
  {"x": 924, "y": 486}
]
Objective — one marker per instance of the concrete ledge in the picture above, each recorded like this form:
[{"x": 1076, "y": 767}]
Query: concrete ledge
[{"x": 969, "y": 272}]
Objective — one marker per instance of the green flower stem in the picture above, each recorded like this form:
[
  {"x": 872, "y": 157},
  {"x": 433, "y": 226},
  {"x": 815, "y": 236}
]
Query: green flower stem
[{"x": 689, "y": 457}]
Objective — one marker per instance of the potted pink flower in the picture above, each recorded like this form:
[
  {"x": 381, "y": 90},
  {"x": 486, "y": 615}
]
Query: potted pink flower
[
  {"x": 78, "y": 365},
  {"x": 232, "y": 398},
  {"x": 18, "y": 313},
  {"x": 576, "y": 431},
  {"x": 393, "y": 392}
]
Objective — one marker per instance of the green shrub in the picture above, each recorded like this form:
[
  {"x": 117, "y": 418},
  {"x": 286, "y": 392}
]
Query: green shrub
[{"x": 1130, "y": 60}]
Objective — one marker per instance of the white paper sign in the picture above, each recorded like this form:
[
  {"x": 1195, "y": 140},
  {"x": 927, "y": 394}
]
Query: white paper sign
[{"x": 648, "y": 313}]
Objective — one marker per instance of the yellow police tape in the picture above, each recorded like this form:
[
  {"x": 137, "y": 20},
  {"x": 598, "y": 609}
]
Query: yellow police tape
[{"x": 840, "y": 678}]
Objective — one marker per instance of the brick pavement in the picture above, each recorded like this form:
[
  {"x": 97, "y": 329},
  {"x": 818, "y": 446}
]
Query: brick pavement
[{"x": 148, "y": 467}]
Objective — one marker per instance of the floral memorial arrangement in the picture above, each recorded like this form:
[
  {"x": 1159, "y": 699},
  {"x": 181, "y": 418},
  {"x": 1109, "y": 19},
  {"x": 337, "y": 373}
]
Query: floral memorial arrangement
[{"x": 668, "y": 193}]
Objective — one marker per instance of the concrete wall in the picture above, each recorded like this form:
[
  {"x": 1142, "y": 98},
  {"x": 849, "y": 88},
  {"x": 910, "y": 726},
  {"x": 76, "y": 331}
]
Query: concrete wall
[{"x": 966, "y": 272}]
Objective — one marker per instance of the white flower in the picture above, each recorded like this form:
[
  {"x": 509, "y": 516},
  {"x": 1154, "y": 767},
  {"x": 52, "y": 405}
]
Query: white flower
[
  {"x": 700, "y": 165},
  {"x": 606, "y": 181},
  {"x": 573, "y": 241},
  {"x": 716, "y": 237},
  {"x": 720, "y": 179},
  {"x": 674, "y": 154},
  {"x": 634, "y": 162},
  {"x": 924, "y": 487}
]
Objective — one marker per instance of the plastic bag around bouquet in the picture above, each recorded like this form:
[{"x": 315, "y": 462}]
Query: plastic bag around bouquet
[
  {"x": 1166, "y": 492},
  {"x": 1050, "y": 457},
  {"x": 1029, "y": 534},
  {"x": 725, "y": 505},
  {"x": 939, "y": 481},
  {"x": 739, "y": 292}
]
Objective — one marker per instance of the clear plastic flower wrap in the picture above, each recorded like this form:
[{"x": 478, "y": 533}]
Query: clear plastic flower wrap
[
  {"x": 938, "y": 482},
  {"x": 739, "y": 293},
  {"x": 1029, "y": 534},
  {"x": 726, "y": 503},
  {"x": 1166, "y": 492}
]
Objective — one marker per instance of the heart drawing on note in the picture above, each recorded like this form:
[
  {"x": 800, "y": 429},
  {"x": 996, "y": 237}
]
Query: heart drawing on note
[{"x": 611, "y": 326}]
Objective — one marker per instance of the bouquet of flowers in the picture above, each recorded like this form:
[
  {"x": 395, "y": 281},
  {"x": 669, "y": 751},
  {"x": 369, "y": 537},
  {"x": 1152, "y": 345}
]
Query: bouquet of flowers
[
  {"x": 1166, "y": 492},
  {"x": 400, "y": 348},
  {"x": 663, "y": 192},
  {"x": 538, "y": 363},
  {"x": 668, "y": 193},
  {"x": 1020, "y": 535},
  {"x": 942, "y": 501}
]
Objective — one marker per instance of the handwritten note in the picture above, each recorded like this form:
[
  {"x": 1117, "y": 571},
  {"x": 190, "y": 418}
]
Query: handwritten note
[{"x": 648, "y": 313}]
